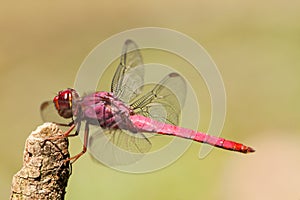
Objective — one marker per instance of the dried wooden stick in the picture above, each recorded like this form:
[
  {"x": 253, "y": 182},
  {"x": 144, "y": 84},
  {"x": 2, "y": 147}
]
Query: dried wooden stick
[{"x": 44, "y": 174}]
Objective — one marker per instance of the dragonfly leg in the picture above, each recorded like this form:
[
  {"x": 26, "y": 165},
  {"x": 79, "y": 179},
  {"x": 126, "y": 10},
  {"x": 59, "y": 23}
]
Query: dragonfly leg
[
  {"x": 77, "y": 130},
  {"x": 65, "y": 134},
  {"x": 75, "y": 134},
  {"x": 61, "y": 124},
  {"x": 85, "y": 143}
]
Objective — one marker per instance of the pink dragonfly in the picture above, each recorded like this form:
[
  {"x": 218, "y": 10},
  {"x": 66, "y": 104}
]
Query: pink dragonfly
[{"x": 123, "y": 115}]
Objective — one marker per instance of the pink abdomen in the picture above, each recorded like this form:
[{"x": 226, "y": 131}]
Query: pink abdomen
[{"x": 145, "y": 124}]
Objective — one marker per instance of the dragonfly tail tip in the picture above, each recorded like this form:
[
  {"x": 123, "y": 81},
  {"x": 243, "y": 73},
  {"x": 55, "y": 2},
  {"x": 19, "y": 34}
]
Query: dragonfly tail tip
[{"x": 250, "y": 150}]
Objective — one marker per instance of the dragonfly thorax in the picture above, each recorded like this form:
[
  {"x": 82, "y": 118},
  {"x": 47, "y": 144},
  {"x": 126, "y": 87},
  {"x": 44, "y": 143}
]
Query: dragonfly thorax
[{"x": 103, "y": 108}]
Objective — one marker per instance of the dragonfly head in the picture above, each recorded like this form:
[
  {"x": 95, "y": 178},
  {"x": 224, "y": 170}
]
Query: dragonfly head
[{"x": 63, "y": 102}]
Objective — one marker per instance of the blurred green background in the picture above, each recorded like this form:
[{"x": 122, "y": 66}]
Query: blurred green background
[{"x": 256, "y": 46}]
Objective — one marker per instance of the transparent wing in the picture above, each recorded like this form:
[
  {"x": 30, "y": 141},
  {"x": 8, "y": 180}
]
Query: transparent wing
[
  {"x": 50, "y": 114},
  {"x": 164, "y": 101},
  {"x": 129, "y": 77},
  {"x": 117, "y": 147},
  {"x": 107, "y": 142}
]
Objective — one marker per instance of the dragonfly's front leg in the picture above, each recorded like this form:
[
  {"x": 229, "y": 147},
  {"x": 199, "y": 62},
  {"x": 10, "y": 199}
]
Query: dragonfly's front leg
[
  {"x": 85, "y": 143},
  {"x": 65, "y": 134},
  {"x": 72, "y": 125},
  {"x": 77, "y": 130},
  {"x": 62, "y": 124}
]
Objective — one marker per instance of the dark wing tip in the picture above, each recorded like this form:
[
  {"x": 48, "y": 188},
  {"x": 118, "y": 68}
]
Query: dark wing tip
[
  {"x": 131, "y": 42},
  {"x": 44, "y": 105},
  {"x": 173, "y": 74}
]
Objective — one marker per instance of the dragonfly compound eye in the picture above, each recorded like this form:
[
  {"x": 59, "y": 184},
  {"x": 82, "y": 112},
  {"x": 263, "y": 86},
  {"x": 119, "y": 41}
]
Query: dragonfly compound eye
[{"x": 63, "y": 103}]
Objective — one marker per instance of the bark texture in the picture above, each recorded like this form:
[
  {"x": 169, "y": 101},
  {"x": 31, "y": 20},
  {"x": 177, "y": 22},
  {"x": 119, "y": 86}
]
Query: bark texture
[{"x": 44, "y": 174}]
